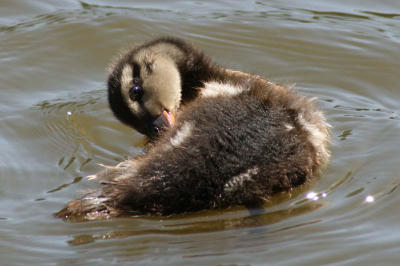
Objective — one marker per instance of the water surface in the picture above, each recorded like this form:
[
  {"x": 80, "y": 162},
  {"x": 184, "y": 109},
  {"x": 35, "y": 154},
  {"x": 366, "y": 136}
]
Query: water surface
[{"x": 56, "y": 128}]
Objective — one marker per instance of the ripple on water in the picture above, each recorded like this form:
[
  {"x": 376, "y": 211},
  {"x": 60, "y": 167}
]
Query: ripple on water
[{"x": 84, "y": 122}]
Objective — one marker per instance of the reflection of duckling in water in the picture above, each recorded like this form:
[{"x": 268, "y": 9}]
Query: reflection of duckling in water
[
  {"x": 241, "y": 141},
  {"x": 150, "y": 81}
]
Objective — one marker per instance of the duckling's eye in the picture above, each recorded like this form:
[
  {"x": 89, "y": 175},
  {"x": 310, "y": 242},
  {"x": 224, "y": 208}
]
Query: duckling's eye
[{"x": 135, "y": 93}]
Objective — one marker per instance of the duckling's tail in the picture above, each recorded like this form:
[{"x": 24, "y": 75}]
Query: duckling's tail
[
  {"x": 97, "y": 204},
  {"x": 89, "y": 207}
]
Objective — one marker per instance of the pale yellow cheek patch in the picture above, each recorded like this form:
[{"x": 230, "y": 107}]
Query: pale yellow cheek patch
[
  {"x": 126, "y": 79},
  {"x": 126, "y": 85},
  {"x": 163, "y": 87}
]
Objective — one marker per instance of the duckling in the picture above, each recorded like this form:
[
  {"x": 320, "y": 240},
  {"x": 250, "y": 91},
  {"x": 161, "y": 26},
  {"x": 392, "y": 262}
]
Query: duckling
[
  {"x": 149, "y": 82},
  {"x": 237, "y": 144}
]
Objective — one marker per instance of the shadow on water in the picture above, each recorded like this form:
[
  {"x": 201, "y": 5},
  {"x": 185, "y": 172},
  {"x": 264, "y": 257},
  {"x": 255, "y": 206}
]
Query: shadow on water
[{"x": 259, "y": 218}]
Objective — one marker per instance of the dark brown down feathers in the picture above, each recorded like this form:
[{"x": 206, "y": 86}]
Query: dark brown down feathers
[{"x": 236, "y": 149}]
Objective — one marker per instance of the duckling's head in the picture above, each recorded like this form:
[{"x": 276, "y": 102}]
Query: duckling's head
[{"x": 144, "y": 90}]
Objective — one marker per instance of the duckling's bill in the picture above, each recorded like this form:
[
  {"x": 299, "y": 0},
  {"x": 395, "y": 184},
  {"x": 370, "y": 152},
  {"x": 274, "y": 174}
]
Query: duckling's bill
[
  {"x": 165, "y": 120},
  {"x": 169, "y": 117}
]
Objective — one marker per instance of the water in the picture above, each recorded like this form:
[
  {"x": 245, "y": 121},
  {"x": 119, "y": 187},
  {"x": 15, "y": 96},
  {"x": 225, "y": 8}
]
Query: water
[{"x": 56, "y": 128}]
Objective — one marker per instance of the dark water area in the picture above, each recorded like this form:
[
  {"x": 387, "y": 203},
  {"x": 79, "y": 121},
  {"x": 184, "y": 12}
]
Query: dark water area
[{"x": 56, "y": 128}]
